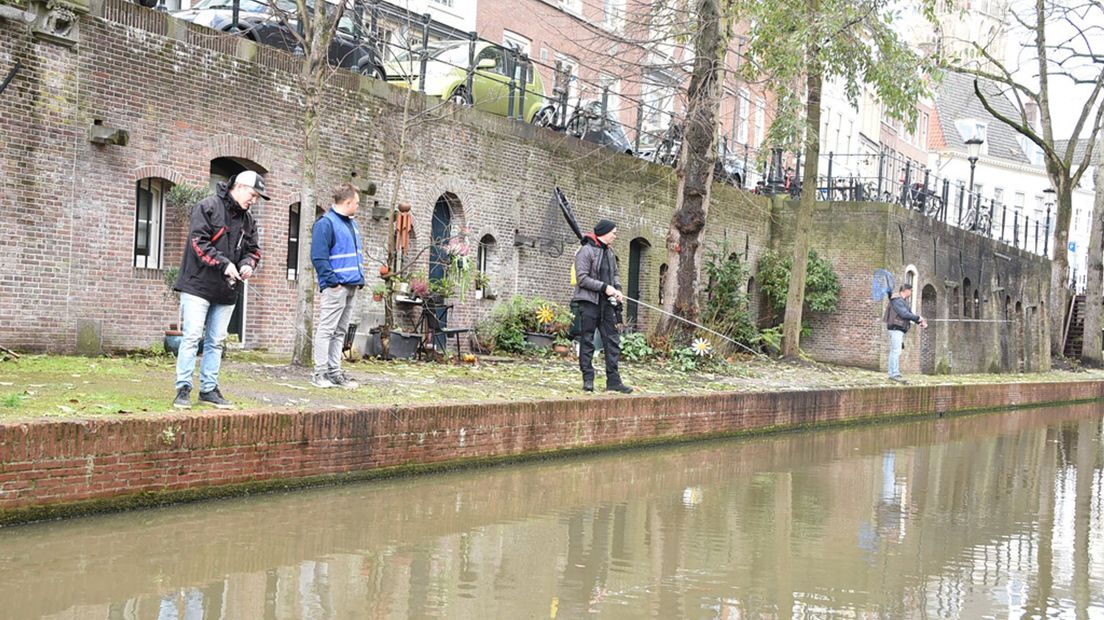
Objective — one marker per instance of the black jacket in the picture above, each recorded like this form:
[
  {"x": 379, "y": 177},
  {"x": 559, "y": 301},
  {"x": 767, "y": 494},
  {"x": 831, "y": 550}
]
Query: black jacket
[{"x": 220, "y": 232}]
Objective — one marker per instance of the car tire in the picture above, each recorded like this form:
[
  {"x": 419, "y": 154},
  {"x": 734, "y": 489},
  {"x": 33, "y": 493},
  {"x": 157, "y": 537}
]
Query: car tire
[
  {"x": 460, "y": 97},
  {"x": 370, "y": 70}
]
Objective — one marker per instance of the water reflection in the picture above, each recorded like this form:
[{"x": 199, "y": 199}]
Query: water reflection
[{"x": 968, "y": 517}]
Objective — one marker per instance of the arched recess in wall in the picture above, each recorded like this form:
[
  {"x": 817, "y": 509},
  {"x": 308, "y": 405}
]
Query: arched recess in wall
[
  {"x": 977, "y": 305},
  {"x": 966, "y": 299},
  {"x": 221, "y": 170},
  {"x": 929, "y": 310},
  {"x": 446, "y": 221},
  {"x": 955, "y": 303},
  {"x": 1018, "y": 329},
  {"x": 638, "y": 251},
  {"x": 485, "y": 258}
]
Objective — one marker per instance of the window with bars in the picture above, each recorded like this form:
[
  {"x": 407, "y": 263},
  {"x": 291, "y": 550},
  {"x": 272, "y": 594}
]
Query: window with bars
[
  {"x": 149, "y": 222},
  {"x": 293, "y": 242}
]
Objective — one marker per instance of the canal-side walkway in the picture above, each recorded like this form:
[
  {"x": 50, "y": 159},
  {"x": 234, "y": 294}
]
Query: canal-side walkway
[{"x": 425, "y": 417}]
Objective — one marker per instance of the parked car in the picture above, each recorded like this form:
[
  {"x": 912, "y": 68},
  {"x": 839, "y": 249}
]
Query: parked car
[
  {"x": 588, "y": 123},
  {"x": 271, "y": 24},
  {"x": 446, "y": 76}
]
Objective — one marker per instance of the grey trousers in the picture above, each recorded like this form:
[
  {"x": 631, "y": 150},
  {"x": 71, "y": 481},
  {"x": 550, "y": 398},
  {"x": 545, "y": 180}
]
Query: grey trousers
[{"x": 333, "y": 323}]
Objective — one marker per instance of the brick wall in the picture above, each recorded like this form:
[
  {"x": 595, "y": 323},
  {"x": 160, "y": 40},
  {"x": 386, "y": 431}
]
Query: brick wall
[
  {"x": 48, "y": 466},
  {"x": 859, "y": 238},
  {"x": 188, "y": 96}
]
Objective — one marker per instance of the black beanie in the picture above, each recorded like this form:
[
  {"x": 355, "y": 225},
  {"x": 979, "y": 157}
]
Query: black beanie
[{"x": 603, "y": 227}]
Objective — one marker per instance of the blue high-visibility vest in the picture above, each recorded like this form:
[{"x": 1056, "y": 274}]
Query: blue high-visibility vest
[{"x": 346, "y": 253}]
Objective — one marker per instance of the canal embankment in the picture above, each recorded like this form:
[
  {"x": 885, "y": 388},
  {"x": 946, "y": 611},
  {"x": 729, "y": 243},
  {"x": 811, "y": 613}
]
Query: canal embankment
[{"x": 57, "y": 468}]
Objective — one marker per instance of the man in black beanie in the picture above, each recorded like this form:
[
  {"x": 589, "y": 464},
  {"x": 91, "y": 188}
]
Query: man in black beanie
[{"x": 597, "y": 291}]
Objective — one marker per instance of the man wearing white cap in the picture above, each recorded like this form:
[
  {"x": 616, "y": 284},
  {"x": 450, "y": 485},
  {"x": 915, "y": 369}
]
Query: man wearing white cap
[{"x": 221, "y": 250}]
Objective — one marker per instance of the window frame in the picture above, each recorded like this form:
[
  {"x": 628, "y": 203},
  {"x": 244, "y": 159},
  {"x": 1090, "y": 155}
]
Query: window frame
[{"x": 154, "y": 224}]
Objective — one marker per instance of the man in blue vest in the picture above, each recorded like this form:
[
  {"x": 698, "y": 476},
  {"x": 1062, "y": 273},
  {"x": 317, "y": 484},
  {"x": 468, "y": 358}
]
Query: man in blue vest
[{"x": 338, "y": 257}]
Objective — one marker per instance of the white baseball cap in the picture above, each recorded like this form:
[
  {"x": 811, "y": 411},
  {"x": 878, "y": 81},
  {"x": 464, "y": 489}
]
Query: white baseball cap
[{"x": 251, "y": 179}]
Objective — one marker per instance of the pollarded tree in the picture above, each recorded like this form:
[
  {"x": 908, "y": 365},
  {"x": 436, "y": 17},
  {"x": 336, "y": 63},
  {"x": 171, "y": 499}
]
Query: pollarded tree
[
  {"x": 1061, "y": 42},
  {"x": 801, "y": 43},
  {"x": 711, "y": 36}
]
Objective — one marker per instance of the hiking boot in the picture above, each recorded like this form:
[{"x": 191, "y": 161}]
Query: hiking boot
[
  {"x": 321, "y": 380},
  {"x": 620, "y": 387},
  {"x": 214, "y": 397},
  {"x": 183, "y": 398},
  {"x": 588, "y": 386},
  {"x": 340, "y": 379}
]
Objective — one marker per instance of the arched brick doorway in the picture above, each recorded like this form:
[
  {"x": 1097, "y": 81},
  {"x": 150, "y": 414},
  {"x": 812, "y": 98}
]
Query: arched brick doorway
[{"x": 929, "y": 310}]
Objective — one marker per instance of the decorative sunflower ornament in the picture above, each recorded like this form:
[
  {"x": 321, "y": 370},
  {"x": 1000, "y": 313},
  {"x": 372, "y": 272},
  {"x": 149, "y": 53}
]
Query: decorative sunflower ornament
[
  {"x": 701, "y": 347},
  {"x": 545, "y": 315}
]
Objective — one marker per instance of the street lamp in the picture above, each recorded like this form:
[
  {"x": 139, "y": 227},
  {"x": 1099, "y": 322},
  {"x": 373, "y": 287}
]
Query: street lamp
[
  {"x": 973, "y": 150},
  {"x": 1049, "y": 202}
]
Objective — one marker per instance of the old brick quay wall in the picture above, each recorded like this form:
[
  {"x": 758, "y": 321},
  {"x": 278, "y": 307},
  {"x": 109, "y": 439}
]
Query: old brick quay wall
[
  {"x": 195, "y": 102},
  {"x": 55, "y": 468}
]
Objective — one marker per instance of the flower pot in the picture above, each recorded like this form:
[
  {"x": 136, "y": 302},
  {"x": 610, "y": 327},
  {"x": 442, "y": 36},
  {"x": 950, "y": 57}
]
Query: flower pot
[
  {"x": 173, "y": 339},
  {"x": 563, "y": 350},
  {"x": 478, "y": 293},
  {"x": 539, "y": 340},
  {"x": 404, "y": 346},
  {"x": 377, "y": 297},
  {"x": 404, "y": 288}
]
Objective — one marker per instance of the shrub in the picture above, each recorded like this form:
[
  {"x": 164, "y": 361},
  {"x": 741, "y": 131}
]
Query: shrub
[
  {"x": 512, "y": 318},
  {"x": 726, "y": 308},
  {"x": 821, "y": 283}
]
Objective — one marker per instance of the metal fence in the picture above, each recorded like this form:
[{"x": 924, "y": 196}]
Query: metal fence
[{"x": 889, "y": 178}]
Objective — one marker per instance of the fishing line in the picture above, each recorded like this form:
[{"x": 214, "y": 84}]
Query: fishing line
[{"x": 698, "y": 325}]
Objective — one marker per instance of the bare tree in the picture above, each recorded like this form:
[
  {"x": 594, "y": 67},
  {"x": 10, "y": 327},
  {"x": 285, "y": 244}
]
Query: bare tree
[{"x": 1061, "y": 44}]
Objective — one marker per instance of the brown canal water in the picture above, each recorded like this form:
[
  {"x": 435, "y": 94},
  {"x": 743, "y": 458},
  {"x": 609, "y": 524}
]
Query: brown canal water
[{"x": 985, "y": 516}]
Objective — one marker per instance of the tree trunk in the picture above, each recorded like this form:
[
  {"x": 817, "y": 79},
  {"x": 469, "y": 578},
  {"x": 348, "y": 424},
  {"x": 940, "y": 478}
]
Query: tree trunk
[
  {"x": 695, "y": 170},
  {"x": 795, "y": 295},
  {"x": 1091, "y": 354},
  {"x": 313, "y": 74},
  {"x": 1059, "y": 275}
]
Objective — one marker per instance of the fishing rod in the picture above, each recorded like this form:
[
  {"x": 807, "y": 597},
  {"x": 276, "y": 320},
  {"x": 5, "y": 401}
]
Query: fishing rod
[
  {"x": 689, "y": 322},
  {"x": 969, "y": 320}
]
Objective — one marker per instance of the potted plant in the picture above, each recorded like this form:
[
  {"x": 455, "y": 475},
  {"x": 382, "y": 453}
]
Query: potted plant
[
  {"x": 562, "y": 346},
  {"x": 418, "y": 287},
  {"x": 378, "y": 291},
  {"x": 481, "y": 281}
]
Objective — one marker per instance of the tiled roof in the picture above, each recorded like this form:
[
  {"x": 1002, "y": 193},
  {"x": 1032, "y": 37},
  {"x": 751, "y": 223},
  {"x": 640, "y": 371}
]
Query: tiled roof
[
  {"x": 1079, "y": 151},
  {"x": 955, "y": 100}
]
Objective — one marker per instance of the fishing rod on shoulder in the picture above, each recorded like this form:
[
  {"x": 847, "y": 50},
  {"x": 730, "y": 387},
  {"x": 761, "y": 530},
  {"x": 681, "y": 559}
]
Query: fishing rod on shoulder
[{"x": 559, "y": 200}]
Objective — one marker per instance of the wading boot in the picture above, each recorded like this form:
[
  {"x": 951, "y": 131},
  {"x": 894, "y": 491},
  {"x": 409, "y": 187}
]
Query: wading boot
[
  {"x": 214, "y": 397},
  {"x": 183, "y": 398}
]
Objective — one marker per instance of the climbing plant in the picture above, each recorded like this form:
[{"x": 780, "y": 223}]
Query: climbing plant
[
  {"x": 821, "y": 284},
  {"x": 726, "y": 308}
]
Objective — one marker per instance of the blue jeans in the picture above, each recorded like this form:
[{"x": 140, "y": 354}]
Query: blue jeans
[
  {"x": 896, "y": 343},
  {"x": 206, "y": 321}
]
